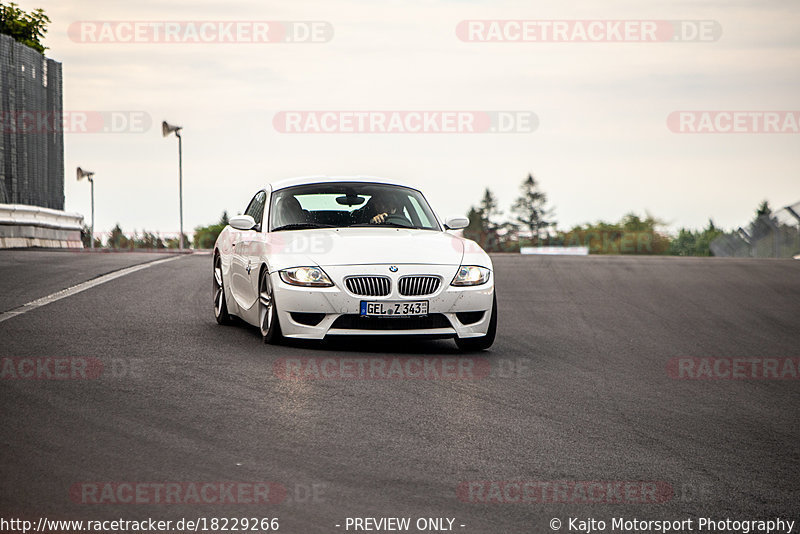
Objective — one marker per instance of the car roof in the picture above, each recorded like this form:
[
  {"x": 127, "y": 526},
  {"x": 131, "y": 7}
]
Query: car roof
[{"x": 322, "y": 179}]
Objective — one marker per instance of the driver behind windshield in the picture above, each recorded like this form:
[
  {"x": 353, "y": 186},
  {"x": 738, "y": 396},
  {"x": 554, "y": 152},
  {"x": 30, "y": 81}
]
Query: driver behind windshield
[{"x": 385, "y": 205}]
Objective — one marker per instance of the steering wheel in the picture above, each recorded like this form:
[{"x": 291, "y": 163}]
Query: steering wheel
[{"x": 397, "y": 219}]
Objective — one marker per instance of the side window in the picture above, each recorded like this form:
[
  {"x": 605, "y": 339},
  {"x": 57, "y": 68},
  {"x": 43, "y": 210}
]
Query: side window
[{"x": 256, "y": 207}]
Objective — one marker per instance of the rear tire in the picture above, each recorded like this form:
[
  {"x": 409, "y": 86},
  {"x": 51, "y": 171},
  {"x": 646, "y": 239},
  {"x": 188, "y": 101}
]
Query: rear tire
[
  {"x": 268, "y": 312},
  {"x": 220, "y": 305},
  {"x": 475, "y": 344}
]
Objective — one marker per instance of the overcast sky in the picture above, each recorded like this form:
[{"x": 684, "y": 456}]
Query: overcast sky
[{"x": 602, "y": 146}]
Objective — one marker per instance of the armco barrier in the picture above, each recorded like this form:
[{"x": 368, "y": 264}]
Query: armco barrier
[{"x": 32, "y": 226}]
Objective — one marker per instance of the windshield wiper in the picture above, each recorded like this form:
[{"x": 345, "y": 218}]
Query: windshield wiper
[{"x": 302, "y": 226}]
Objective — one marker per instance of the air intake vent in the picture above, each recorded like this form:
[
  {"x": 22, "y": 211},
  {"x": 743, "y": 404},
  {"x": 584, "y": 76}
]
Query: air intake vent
[
  {"x": 368, "y": 286},
  {"x": 309, "y": 319},
  {"x": 412, "y": 286},
  {"x": 356, "y": 322},
  {"x": 470, "y": 317}
]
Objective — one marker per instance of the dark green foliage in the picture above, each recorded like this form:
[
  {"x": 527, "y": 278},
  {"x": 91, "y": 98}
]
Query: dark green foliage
[
  {"x": 27, "y": 28},
  {"x": 206, "y": 236}
]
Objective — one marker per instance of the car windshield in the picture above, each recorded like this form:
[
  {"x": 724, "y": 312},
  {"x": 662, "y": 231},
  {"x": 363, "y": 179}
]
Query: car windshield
[{"x": 349, "y": 204}]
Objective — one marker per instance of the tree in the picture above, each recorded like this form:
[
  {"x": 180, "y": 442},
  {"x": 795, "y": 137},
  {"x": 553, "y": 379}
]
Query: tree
[
  {"x": 704, "y": 239},
  {"x": 206, "y": 236},
  {"x": 633, "y": 223},
  {"x": 763, "y": 209},
  {"x": 117, "y": 238},
  {"x": 631, "y": 235},
  {"x": 695, "y": 243},
  {"x": 86, "y": 236},
  {"x": 26, "y": 28},
  {"x": 489, "y": 209},
  {"x": 86, "y": 233},
  {"x": 530, "y": 209},
  {"x": 475, "y": 226},
  {"x": 684, "y": 244},
  {"x": 172, "y": 242},
  {"x": 483, "y": 228},
  {"x": 148, "y": 240}
]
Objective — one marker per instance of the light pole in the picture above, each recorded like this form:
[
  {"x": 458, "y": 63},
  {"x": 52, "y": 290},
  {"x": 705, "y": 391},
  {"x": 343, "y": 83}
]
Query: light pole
[
  {"x": 88, "y": 174},
  {"x": 166, "y": 129}
]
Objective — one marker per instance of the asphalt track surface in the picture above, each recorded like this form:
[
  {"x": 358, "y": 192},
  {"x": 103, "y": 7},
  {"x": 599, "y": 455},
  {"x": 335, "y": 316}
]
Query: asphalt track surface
[
  {"x": 578, "y": 391},
  {"x": 30, "y": 274}
]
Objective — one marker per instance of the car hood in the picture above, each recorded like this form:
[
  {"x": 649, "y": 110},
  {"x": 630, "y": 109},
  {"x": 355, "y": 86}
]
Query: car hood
[{"x": 363, "y": 246}]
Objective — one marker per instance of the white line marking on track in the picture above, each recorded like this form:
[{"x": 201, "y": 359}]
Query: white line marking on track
[{"x": 83, "y": 286}]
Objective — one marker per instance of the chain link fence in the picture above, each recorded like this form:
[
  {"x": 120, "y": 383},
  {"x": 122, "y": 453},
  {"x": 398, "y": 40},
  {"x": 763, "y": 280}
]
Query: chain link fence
[
  {"x": 31, "y": 157},
  {"x": 773, "y": 235}
]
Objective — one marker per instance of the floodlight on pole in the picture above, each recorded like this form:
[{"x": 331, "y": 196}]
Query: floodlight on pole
[
  {"x": 88, "y": 175},
  {"x": 166, "y": 129}
]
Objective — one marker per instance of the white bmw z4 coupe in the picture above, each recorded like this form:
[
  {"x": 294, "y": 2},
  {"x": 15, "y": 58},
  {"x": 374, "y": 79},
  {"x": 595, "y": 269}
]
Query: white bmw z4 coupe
[{"x": 321, "y": 256}]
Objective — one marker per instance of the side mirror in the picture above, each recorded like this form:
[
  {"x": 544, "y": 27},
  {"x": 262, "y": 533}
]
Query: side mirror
[
  {"x": 456, "y": 223},
  {"x": 242, "y": 222}
]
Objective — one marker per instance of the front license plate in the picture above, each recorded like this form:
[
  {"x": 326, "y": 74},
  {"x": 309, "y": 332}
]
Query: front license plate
[{"x": 394, "y": 309}]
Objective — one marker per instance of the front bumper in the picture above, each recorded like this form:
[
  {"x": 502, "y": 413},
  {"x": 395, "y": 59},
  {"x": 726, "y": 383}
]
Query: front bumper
[{"x": 341, "y": 308}]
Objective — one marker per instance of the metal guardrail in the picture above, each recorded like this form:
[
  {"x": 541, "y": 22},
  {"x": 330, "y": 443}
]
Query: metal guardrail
[
  {"x": 20, "y": 214},
  {"x": 32, "y": 226}
]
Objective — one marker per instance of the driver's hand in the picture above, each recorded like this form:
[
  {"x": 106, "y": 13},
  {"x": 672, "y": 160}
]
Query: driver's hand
[{"x": 379, "y": 218}]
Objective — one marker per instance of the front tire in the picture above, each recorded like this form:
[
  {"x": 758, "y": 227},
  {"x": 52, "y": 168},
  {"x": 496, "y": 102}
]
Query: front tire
[
  {"x": 268, "y": 312},
  {"x": 475, "y": 344},
  {"x": 220, "y": 305}
]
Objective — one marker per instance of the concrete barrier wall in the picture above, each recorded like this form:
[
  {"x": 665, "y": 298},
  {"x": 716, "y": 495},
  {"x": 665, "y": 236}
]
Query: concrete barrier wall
[{"x": 32, "y": 226}]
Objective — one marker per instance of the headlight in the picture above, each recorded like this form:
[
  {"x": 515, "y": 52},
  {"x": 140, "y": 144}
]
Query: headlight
[
  {"x": 471, "y": 275},
  {"x": 306, "y": 276}
]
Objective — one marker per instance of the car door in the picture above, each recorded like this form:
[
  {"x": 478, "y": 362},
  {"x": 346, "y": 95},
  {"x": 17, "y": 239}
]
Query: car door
[{"x": 244, "y": 272}]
